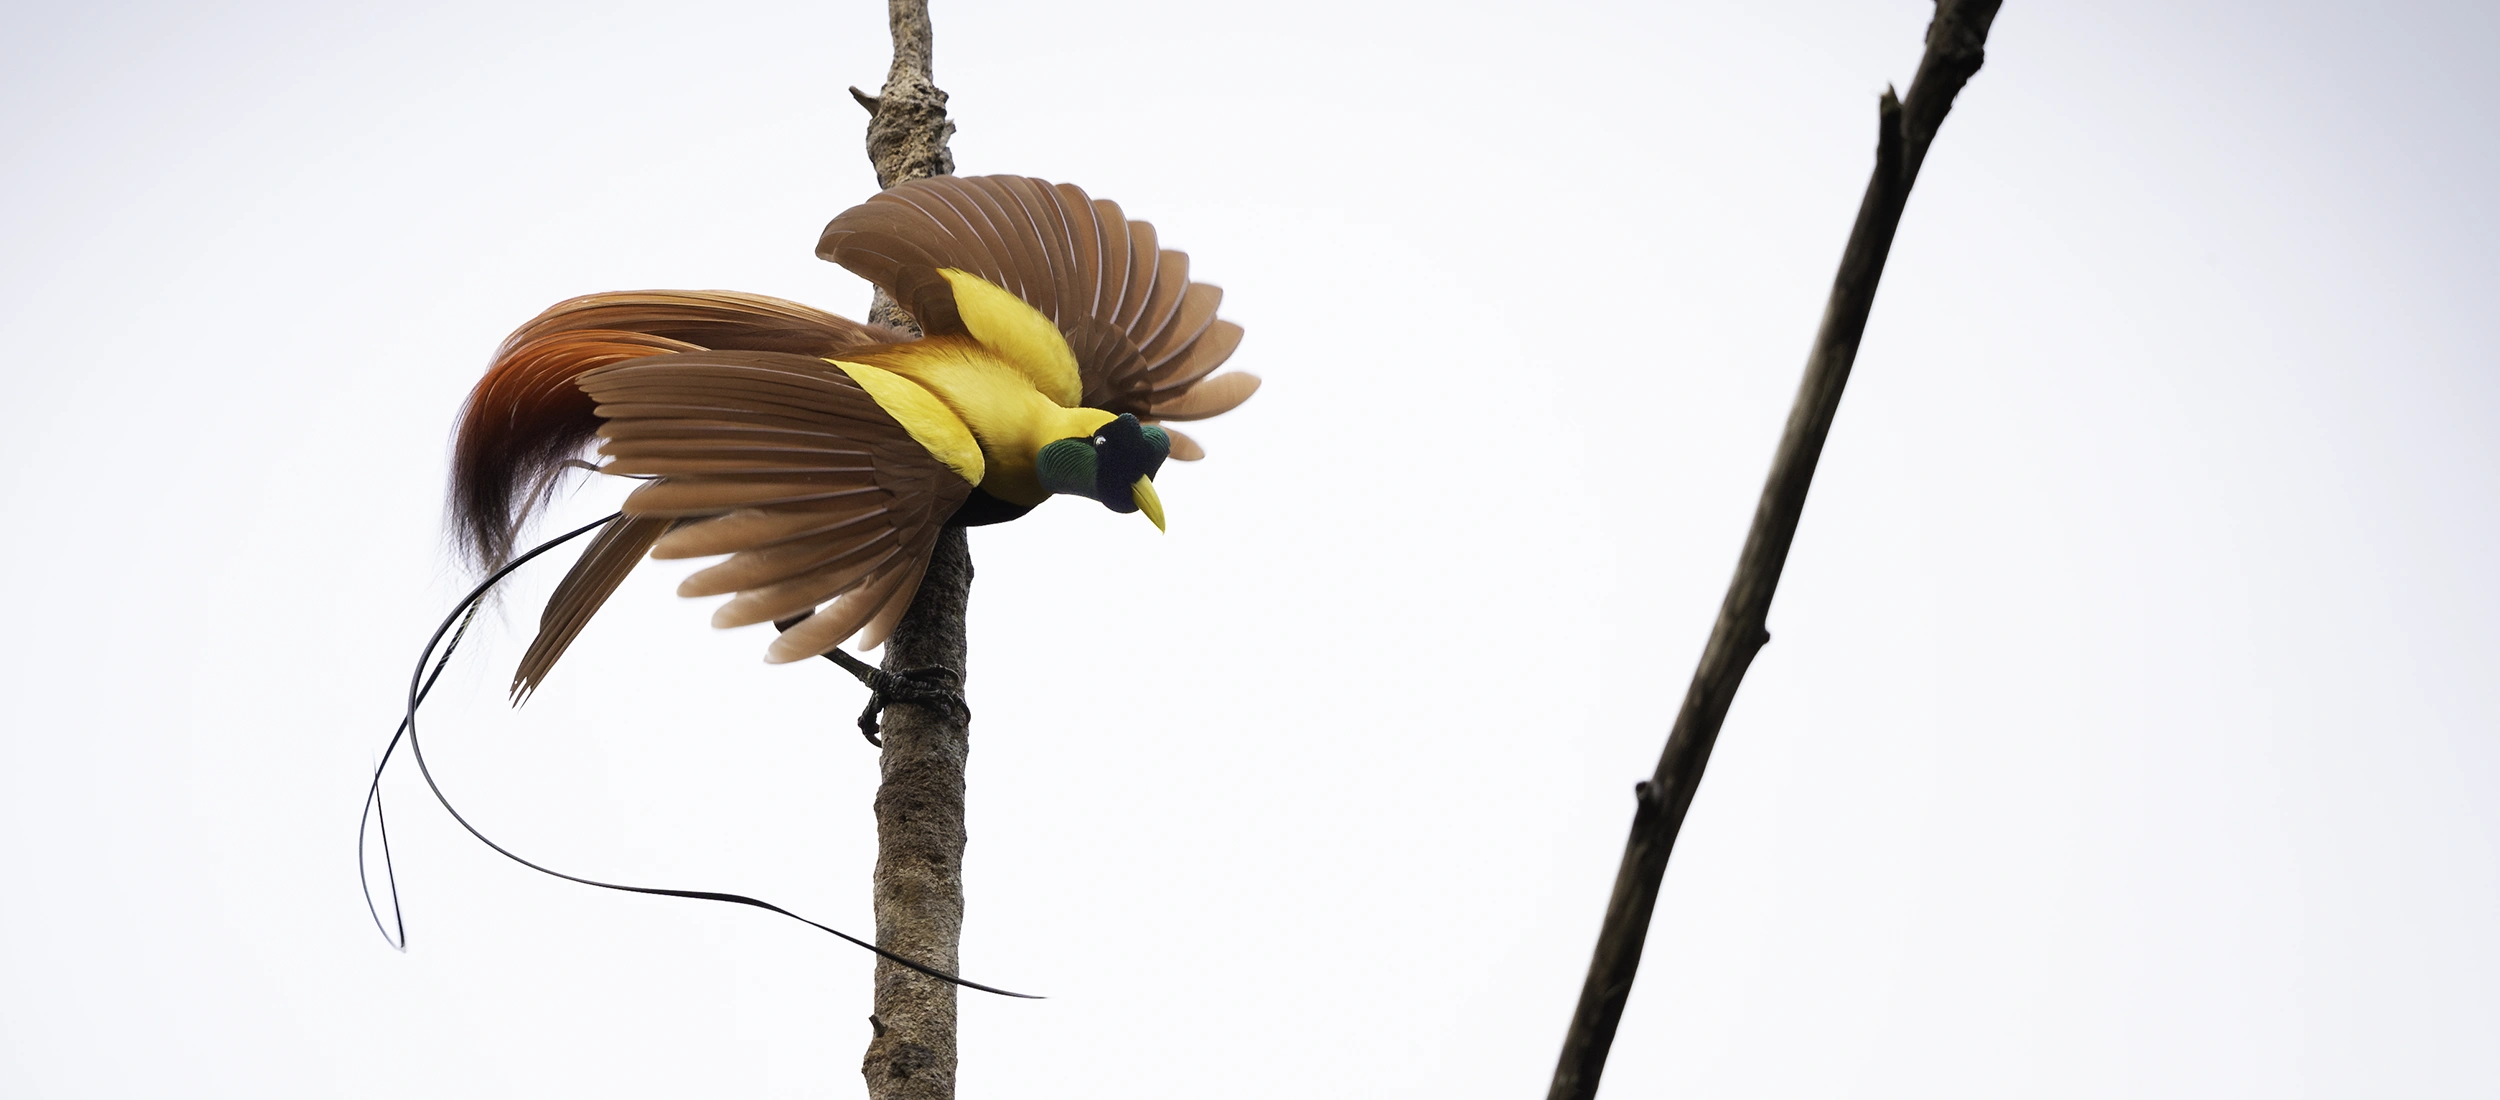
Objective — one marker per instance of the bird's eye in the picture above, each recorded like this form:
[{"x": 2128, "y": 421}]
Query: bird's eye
[{"x": 1102, "y": 441}]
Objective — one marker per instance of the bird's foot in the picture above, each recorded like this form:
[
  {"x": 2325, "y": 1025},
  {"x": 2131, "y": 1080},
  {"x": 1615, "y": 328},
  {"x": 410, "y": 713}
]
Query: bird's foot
[{"x": 931, "y": 685}]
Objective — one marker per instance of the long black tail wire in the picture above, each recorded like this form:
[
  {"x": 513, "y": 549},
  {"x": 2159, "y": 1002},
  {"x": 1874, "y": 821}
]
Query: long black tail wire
[{"x": 421, "y": 684}]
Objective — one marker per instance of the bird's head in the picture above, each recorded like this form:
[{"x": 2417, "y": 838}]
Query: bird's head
[{"x": 1116, "y": 465}]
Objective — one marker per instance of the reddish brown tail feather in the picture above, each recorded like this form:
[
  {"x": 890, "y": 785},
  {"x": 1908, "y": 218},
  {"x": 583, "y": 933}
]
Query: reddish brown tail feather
[{"x": 526, "y": 418}]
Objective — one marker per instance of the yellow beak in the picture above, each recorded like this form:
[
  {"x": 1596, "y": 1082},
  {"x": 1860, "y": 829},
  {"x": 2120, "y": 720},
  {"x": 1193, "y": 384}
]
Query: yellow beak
[{"x": 1143, "y": 492}]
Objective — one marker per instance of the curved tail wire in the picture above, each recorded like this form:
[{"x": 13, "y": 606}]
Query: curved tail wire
[{"x": 421, "y": 684}]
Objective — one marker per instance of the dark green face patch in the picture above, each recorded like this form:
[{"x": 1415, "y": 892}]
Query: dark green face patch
[
  {"x": 1103, "y": 466},
  {"x": 1067, "y": 466}
]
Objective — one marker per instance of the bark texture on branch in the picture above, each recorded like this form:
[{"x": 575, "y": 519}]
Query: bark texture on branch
[
  {"x": 919, "y": 890},
  {"x": 1955, "y": 41},
  {"x": 919, "y": 885},
  {"x": 907, "y": 124}
]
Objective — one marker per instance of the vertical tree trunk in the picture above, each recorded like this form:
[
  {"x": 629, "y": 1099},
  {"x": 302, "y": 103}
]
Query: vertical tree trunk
[
  {"x": 920, "y": 846},
  {"x": 919, "y": 888}
]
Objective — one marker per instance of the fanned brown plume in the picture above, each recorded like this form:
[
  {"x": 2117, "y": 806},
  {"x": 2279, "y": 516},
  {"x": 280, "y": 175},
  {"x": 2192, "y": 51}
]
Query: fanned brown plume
[{"x": 527, "y": 418}]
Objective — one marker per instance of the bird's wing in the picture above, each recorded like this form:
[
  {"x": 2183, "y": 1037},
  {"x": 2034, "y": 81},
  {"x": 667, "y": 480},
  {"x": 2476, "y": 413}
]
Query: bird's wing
[
  {"x": 1145, "y": 338},
  {"x": 823, "y": 499}
]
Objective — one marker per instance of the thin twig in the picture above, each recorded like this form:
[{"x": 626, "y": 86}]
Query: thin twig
[{"x": 1955, "y": 41}]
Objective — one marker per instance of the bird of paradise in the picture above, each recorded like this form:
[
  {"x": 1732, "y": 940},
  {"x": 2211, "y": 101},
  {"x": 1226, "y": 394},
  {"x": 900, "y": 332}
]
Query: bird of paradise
[{"x": 823, "y": 455}]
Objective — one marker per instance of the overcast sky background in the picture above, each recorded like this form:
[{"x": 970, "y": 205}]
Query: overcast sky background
[{"x": 2129, "y": 726}]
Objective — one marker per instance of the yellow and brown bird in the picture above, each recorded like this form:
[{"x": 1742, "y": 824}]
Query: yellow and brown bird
[{"x": 823, "y": 455}]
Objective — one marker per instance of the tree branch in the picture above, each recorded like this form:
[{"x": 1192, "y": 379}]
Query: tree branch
[
  {"x": 919, "y": 886},
  {"x": 1955, "y": 49},
  {"x": 907, "y": 125},
  {"x": 919, "y": 892}
]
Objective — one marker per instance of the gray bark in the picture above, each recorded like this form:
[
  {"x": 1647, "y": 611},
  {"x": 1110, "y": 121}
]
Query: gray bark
[
  {"x": 1955, "y": 41},
  {"x": 919, "y": 886},
  {"x": 907, "y": 124},
  {"x": 919, "y": 890}
]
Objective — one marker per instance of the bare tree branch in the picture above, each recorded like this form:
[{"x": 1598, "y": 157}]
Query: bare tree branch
[
  {"x": 1955, "y": 41},
  {"x": 919, "y": 886}
]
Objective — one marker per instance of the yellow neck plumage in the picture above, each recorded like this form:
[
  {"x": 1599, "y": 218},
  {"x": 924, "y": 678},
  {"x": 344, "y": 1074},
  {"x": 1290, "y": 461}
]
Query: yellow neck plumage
[{"x": 985, "y": 404}]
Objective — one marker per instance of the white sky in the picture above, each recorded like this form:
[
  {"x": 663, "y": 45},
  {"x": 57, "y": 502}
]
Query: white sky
[{"x": 2128, "y": 730}]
